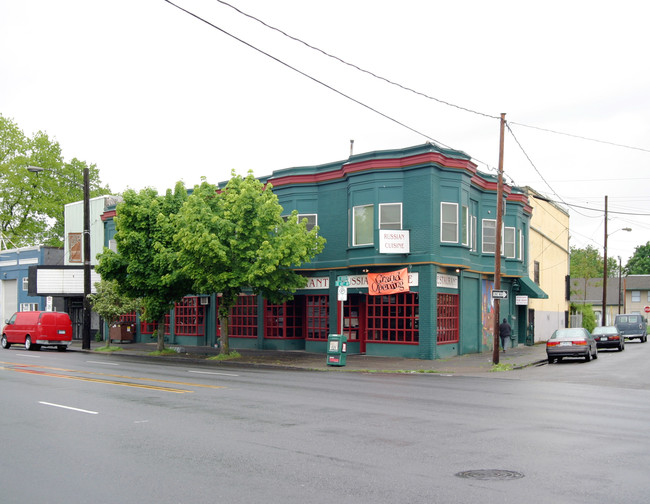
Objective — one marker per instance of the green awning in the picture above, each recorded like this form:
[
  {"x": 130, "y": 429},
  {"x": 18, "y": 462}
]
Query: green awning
[{"x": 529, "y": 288}]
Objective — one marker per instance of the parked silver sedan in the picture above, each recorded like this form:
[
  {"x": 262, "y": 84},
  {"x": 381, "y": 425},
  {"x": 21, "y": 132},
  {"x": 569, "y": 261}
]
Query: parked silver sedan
[
  {"x": 608, "y": 337},
  {"x": 572, "y": 342}
]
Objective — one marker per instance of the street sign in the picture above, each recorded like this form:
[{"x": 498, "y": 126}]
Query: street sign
[
  {"x": 647, "y": 309},
  {"x": 342, "y": 293},
  {"x": 342, "y": 281},
  {"x": 499, "y": 294}
]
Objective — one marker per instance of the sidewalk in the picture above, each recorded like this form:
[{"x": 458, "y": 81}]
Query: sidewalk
[{"x": 513, "y": 359}]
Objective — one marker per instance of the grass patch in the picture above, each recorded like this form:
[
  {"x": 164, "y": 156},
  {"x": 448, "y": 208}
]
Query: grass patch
[
  {"x": 109, "y": 349},
  {"x": 225, "y": 357},
  {"x": 500, "y": 367},
  {"x": 164, "y": 351}
]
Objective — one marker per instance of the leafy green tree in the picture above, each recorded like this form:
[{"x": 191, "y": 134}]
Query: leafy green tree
[
  {"x": 145, "y": 264},
  {"x": 237, "y": 239},
  {"x": 639, "y": 263},
  {"x": 588, "y": 263},
  {"x": 110, "y": 304},
  {"x": 588, "y": 315},
  {"x": 32, "y": 204}
]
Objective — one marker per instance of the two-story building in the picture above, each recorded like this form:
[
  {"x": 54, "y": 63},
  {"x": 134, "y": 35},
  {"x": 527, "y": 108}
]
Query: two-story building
[{"x": 408, "y": 268}]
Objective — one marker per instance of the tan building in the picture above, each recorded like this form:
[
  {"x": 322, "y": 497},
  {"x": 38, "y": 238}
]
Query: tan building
[
  {"x": 636, "y": 299},
  {"x": 548, "y": 264}
]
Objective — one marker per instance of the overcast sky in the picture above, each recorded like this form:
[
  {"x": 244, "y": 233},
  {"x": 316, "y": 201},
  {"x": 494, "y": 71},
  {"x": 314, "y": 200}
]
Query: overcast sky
[{"x": 152, "y": 95}]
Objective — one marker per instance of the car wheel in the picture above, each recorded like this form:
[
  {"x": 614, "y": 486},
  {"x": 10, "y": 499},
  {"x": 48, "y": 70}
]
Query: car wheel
[
  {"x": 588, "y": 356},
  {"x": 4, "y": 342},
  {"x": 28, "y": 343},
  {"x": 551, "y": 360},
  {"x": 644, "y": 339},
  {"x": 621, "y": 347},
  {"x": 596, "y": 353},
  {"x": 62, "y": 348}
]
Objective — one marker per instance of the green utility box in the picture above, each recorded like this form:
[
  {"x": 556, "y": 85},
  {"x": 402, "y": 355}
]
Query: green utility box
[{"x": 337, "y": 348}]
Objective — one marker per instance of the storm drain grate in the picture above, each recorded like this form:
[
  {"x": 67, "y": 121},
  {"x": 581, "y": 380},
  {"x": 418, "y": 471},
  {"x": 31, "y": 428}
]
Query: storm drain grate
[{"x": 490, "y": 474}]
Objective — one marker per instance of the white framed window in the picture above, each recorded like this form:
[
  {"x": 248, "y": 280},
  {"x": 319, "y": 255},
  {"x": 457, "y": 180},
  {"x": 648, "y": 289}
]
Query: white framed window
[
  {"x": 28, "y": 306},
  {"x": 636, "y": 296},
  {"x": 312, "y": 220},
  {"x": 363, "y": 225},
  {"x": 509, "y": 244},
  {"x": 390, "y": 216},
  {"x": 465, "y": 225},
  {"x": 489, "y": 236},
  {"x": 474, "y": 234},
  {"x": 521, "y": 245},
  {"x": 449, "y": 222},
  {"x": 25, "y": 284}
]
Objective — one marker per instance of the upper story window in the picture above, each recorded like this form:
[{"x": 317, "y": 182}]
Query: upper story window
[
  {"x": 390, "y": 216},
  {"x": 536, "y": 272},
  {"x": 465, "y": 225},
  {"x": 363, "y": 225},
  {"x": 636, "y": 296},
  {"x": 489, "y": 236},
  {"x": 449, "y": 222},
  {"x": 312, "y": 220},
  {"x": 509, "y": 242},
  {"x": 25, "y": 284},
  {"x": 474, "y": 237},
  {"x": 74, "y": 247}
]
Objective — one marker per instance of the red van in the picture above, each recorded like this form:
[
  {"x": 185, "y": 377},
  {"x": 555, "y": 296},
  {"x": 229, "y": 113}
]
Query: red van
[{"x": 35, "y": 329}]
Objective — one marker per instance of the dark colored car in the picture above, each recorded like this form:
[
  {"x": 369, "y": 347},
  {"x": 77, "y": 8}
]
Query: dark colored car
[
  {"x": 608, "y": 337},
  {"x": 632, "y": 325},
  {"x": 571, "y": 342}
]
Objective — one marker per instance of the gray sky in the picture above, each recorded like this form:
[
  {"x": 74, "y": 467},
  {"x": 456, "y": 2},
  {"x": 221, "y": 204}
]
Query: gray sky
[{"x": 152, "y": 95}]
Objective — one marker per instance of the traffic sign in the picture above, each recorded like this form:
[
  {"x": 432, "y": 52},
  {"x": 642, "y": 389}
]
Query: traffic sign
[
  {"x": 342, "y": 293},
  {"x": 647, "y": 309},
  {"x": 499, "y": 294},
  {"x": 342, "y": 281}
]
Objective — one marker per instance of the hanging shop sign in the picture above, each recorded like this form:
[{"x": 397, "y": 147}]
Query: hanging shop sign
[
  {"x": 391, "y": 282},
  {"x": 394, "y": 241}
]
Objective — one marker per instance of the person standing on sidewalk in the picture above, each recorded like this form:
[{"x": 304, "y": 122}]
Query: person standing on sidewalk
[{"x": 504, "y": 333}]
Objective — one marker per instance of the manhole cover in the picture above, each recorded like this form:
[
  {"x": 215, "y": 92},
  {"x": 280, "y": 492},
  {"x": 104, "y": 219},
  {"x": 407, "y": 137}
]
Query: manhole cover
[{"x": 490, "y": 474}]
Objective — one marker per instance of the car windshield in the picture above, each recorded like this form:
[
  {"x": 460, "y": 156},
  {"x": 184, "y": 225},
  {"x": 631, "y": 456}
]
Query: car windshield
[
  {"x": 569, "y": 334},
  {"x": 604, "y": 330}
]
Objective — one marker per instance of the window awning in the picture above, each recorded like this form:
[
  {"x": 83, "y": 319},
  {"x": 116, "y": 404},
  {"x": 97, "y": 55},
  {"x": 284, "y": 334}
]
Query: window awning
[{"x": 529, "y": 288}]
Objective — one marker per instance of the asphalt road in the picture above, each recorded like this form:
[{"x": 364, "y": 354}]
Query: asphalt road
[{"x": 81, "y": 428}]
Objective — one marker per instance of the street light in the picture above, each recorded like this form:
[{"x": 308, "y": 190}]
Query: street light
[
  {"x": 85, "y": 328},
  {"x": 604, "y": 313}
]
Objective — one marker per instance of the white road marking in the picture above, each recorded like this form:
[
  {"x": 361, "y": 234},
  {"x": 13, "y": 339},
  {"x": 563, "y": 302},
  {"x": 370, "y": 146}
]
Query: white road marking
[
  {"x": 141, "y": 421},
  {"x": 104, "y": 363},
  {"x": 28, "y": 355},
  {"x": 212, "y": 373},
  {"x": 69, "y": 408}
]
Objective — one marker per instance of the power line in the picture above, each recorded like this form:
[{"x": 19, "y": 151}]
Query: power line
[
  {"x": 356, "y": 67},
  {"x": 386, "y": 116}
]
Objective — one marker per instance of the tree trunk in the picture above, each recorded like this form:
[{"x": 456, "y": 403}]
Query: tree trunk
[
  {"x": 161, "y": 335},
  {"x": 225, "y": 343}
]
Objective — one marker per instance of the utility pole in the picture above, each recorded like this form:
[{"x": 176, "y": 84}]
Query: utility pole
[
  {"x": 604, "y": 314},
  {"x": 497, "y": 245}
]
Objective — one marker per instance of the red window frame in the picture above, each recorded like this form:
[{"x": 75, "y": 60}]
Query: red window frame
[
  {"x": 448, "y": 319},
  {"x": 189, "y": 317},
  {"x": 284, "y": 321},
  {"x": 243, "y": 318},
  {"x": 150, "y": 327},
  {"x": 393, "y": 318},
  {"x": 317, "y": 313}
]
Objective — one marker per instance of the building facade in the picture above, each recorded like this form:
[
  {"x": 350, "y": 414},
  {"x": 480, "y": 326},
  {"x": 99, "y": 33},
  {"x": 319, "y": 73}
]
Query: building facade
[
  {"x": 15, "y": 279},
  {"x": 548, "y": 265},
  {"x": 408, "y": 267}
]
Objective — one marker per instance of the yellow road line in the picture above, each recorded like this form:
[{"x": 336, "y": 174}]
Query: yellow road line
[{"x": 35, "y": 369}]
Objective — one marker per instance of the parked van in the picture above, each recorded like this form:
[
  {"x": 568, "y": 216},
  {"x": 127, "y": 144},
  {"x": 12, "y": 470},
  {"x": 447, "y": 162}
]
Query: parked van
[
  {"x": 632, "y": 326},
  {"x": 35, "y": 329}
]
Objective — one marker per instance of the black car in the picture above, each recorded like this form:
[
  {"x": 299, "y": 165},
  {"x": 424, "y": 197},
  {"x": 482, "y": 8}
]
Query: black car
[{"x": 608, "y": 337}]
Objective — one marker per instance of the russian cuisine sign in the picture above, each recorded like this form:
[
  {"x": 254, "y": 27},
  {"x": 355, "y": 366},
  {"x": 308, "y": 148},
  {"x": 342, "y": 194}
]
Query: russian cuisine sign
[
  {"x": 394, "y": 241},
  {"x": 388, "y": 283}
]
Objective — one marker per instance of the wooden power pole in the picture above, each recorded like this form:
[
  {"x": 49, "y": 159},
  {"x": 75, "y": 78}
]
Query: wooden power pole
[{"x": 497, "y": 245}]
